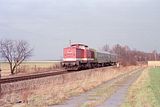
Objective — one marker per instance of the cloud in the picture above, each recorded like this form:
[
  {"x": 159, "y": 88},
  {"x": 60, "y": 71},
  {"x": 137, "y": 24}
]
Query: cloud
[{"x": 93, "y": 22}]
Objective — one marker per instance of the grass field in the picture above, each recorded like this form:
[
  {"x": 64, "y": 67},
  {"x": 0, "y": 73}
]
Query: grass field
[
  {"x": 145, "y": 92},
  {"x": 155, "y": 83},
  {"x": 30, "y": 66}
]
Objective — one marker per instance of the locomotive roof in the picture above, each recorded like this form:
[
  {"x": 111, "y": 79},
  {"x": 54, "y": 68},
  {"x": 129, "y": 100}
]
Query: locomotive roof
[
  {"x": 106, "y": 52},
  {"x": 79, "y": 44}
]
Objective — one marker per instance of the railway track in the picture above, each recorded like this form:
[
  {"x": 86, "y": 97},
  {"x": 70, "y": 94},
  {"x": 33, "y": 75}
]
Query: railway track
[{"x": 31, "y": 76}]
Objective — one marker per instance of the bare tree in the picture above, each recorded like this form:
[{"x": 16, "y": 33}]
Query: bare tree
[
  {"x": 106, "y": 48},
  {"x": 128, "y": 56},
  {"x": 15, "y": 52}
]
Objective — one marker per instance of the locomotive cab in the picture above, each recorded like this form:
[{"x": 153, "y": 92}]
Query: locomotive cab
[{"x": 77, "y": 56}]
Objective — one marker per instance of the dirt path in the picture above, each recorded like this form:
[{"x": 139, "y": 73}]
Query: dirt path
[
  {"x": 117, "y": 98},
  {"x": 109, "y": 94}
]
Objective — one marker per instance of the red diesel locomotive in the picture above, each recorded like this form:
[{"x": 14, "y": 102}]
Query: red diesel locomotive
[{"x": 80, "y": 56}]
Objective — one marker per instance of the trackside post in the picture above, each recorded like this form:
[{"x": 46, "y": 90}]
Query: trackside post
[{"x": 0, "y": 82}]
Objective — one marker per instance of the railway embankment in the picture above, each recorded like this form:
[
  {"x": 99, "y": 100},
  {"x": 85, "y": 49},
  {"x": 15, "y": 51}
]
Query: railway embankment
[{"x": 55, "y": 89}]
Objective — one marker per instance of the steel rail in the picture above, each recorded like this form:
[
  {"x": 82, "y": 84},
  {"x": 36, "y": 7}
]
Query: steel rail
[{"x": 30, "y": 76}]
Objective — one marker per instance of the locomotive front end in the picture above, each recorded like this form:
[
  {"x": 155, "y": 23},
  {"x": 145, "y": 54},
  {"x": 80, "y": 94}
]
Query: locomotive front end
[{"x": 71, "y": 58}]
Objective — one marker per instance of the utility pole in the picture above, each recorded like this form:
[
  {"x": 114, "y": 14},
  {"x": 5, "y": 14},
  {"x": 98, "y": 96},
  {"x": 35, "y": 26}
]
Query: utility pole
[
  {"x": 69, "y": 42},
  {"x": 0, "y": 79}
]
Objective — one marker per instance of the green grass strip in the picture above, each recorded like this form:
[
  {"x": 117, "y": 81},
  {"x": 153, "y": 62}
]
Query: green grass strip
[
  {"x": 154, "y": 74},
  {"x": 146, "y": 91}
]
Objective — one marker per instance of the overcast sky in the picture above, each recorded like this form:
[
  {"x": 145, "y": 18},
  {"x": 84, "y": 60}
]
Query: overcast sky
[{"x": 48, "y": 25}]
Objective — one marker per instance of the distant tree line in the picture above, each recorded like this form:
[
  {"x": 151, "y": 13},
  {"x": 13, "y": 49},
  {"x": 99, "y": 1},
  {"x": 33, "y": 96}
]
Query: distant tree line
[{"x": 128, "y": 56}]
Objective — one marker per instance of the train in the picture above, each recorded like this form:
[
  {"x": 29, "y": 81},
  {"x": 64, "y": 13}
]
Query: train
[{"x": 79, "y": 56}]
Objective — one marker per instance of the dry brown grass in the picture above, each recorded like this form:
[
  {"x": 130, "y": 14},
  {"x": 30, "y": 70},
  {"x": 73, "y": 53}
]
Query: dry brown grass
[
  {"x": 30, "y": 67},
  {"x": 57, "y": 94},
  {"x": 50, "y": 94}
]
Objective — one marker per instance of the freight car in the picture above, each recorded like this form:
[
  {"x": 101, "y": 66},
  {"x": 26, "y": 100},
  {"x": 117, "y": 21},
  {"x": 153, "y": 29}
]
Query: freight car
[{"x": 80, "y": 56}]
